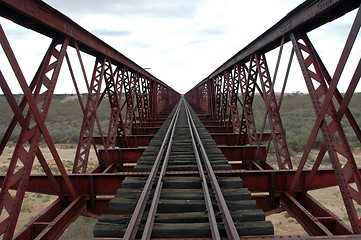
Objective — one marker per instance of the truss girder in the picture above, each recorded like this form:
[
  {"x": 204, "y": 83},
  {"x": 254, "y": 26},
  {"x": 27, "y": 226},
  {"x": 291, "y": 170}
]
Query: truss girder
[
  {"x": 234, "y": 122},
  {"x": 248, "y": 81},
  {"x": 272, "y": 109},
  {"x": 200, "y": 98},
  {"x": 225, "y": 96},
  {"x": 147, "y": 96},
  {"x": 218, "y": 96},
  {"x": 332, "y": 131},
  {"x": 129, "y": 93},
  {"x": 114, "y": 90},
  {"x": 139, "y": 99},
  {"x": 90, "y": 115},
  {"x": 31, "y": 113},
  {"x": 33, "y": 129}
]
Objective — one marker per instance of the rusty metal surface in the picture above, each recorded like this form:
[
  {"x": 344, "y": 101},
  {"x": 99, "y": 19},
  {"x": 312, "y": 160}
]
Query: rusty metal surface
[
  {"x": 255, "y": 180},
  {"x": 329, "y": 104},
  {"x": 306, "y": 17},
  {"x": 148, "y": 100},
  {"x": 318, "y": 89},
  {"x": 38, "y": 97}
]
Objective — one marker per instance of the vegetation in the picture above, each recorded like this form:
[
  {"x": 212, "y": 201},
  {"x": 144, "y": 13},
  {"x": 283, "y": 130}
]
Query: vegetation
[
  {"x": 26, "y": 207},
  {"x": 64, "y": 119},
  {"x": 298, "y": 117},
  {"x": 81, "y": 228}
]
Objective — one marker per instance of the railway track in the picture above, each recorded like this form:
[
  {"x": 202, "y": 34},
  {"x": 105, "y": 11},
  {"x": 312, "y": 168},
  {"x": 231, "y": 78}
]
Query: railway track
[{"x": 168, "y": 206}]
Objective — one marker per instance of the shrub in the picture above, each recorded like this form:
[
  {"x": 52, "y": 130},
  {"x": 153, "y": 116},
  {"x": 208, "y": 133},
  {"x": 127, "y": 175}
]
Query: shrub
[{"x": 26, "y": 207}]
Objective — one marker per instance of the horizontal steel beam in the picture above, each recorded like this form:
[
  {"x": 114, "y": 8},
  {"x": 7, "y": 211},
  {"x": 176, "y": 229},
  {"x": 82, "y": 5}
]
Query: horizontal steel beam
[
  {"x": 308, "y": 16},
  {"x": 310, "y": 223},
  {"x": 231, "y": 139},
  {"x": 254, "y": 180},
  {"x": 346, "y": 237},
  {"x": 53, "y": 221},
  {"x": 40, "y": 17}
]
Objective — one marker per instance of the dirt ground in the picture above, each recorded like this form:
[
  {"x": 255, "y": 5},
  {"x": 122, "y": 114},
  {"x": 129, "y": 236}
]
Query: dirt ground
[
  {"x": 284, "y": 224},
  {"x": 330, "y": 197},
  {"x": 34, "y": 203}
]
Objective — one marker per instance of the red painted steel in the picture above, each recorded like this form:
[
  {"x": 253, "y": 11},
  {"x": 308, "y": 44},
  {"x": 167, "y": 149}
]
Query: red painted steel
[
  {"x": 108, "y": 183},
  {"x": 234, "y": 122},
  {"x": 323, "y": 91},
  {"x": 148, "y": 101},
  {"x": 51, "y": 224},
  {"x": 272, "y": 109},
  {"x": 116, "y": 127},
  {"x": 248, "y": 79},
  {"x": 22, "y": 153},
  {"x": 90, "y": 115},
  {"x": 309, "y": 222},
  {"x": 321, "y": 96},
  {"x": 40, "y": 92}
]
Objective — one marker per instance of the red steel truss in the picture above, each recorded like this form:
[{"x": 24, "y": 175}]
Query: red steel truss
[
  {"x": 251, "y": 68},
  {"x": 112, "y": 73},
  {"x": 139, "y": 103},
  {"x": 247, "y": 85}
]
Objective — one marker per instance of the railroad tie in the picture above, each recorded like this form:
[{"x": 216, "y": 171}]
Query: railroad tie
[{"x": 181, "y": 209}]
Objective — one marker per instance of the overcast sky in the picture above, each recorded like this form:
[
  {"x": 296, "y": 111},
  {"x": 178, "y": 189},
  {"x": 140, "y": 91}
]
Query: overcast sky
[{"x": 181, "y": 41}]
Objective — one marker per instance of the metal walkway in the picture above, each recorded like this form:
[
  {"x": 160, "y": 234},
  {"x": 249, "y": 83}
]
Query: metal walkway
[{"x": 166, "y": 206}]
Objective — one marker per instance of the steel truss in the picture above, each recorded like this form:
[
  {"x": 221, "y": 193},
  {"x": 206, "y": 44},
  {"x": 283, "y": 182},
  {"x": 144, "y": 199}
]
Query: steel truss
[
  {"x": 329, "y": 104},
  {"x": 112, "y": 73},
  {"x": 248, "y": 83},
  {"x": 144, "y": 101}
]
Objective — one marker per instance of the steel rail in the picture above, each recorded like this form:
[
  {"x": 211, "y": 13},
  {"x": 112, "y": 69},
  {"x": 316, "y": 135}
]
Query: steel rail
[
  {"x": 211, "y": 215},
  {"x": 221, "y": 202},
  {"x": 147, "y": 232},
  {"x": 138, "y": 212}
]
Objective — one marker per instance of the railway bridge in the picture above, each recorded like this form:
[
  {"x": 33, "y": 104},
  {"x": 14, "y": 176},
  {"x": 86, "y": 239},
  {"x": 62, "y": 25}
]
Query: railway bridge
[{"x": 173, "y": 166}]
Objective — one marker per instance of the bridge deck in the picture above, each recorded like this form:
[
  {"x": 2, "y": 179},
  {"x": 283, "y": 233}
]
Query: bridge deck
[{"x": 181, "y": 208}]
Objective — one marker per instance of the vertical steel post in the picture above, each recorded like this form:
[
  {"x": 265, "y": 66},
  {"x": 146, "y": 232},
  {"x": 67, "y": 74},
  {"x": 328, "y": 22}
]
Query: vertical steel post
[
  {"x": 332, "y": 131},
  {"x": 31, "y": 132},
  {"x": 248, "y": 82},
  {"x": 116, "y": 128},
  {"x": 90, "y": 115},
  {"x": 279, "y": 138}
]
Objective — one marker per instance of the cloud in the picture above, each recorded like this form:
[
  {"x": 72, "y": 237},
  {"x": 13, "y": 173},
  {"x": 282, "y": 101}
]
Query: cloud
[
  {"x": 145, "y": 8},
  {"x": 175, "y": 63},
  {"x": 111, "y": 33},
  {"x": 338, "y": 30},
  {"x": 183, "y": 41},
  {"x": 141, "y": 44},
  {"x": 213, "y": 31},
  {"x": 17, "y": 32}
]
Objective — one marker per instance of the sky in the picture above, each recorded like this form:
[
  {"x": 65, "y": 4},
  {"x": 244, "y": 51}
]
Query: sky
[{"x": 180, "y": 42}]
